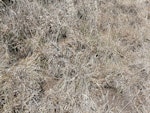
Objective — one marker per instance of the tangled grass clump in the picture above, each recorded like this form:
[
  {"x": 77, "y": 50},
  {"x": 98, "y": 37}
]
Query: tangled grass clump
[{"x": 74, "y": 56}]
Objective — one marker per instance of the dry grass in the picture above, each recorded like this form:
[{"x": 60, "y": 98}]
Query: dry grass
[{"x": 75, "y": 56}]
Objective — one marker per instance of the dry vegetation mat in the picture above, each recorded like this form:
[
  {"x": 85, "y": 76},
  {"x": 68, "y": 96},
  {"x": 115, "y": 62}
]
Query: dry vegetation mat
[{"x": 74, "y": 56}]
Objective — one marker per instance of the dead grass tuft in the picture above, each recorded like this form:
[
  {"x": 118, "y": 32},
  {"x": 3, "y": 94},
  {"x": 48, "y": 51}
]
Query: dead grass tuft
[{"x": 74, "y": 56}]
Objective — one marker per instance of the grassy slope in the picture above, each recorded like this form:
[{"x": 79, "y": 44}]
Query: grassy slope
[{"x": 75, "y": 56}]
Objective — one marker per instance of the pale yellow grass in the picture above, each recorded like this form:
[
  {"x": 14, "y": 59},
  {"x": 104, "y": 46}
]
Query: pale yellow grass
[{"x": 75, "y": 56}]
